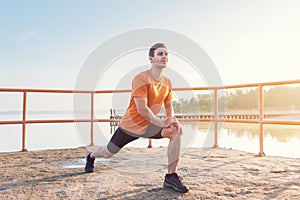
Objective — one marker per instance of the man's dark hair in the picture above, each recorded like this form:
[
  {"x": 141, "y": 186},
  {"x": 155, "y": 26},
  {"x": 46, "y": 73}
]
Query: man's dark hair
[{"x": 156, "y": 46}]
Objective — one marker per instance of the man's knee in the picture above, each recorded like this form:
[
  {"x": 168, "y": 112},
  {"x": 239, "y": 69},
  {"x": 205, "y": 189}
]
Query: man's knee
[{"x": 171, "y": 133}]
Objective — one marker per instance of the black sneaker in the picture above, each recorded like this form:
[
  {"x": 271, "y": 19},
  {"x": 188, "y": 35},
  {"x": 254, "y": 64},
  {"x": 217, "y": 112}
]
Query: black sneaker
[
  {"x": 89, "y": 166},
  {"x": 174, "y": 181}
]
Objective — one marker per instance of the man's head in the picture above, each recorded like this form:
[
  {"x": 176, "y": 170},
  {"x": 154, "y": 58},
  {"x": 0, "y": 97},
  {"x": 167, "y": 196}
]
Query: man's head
[
  {"x": 158, "y": 55},
  {"x": 156, "y": 46}
]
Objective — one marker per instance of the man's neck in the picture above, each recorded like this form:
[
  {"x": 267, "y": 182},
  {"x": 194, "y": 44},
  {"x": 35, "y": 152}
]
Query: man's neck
[{"x": 156, "y": 72}]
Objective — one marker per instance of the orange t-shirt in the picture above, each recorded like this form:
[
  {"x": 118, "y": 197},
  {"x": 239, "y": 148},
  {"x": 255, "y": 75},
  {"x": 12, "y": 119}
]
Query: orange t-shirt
[{"x": 156, "y": 92}]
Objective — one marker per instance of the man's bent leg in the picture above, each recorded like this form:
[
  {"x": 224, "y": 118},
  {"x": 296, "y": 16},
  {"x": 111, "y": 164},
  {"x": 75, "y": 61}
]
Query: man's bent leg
[
  {"x": 174, "y": 150},
  {"x": 172, "y": 180}
]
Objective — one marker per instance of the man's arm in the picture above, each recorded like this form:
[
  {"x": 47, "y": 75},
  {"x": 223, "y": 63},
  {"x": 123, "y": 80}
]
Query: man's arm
[
  {"x": 145, "y": 112},
  {"x": 169, "y": 112}
]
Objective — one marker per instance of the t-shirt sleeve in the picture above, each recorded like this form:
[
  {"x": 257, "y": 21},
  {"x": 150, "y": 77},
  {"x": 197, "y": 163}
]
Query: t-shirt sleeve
[
  {"x": 169, "y": 96},
  {"x": 139, "y": 87}
]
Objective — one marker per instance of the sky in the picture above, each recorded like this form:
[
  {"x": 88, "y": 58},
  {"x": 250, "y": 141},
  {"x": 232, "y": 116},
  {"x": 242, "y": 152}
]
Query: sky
[{"x": 43, "y": 44}]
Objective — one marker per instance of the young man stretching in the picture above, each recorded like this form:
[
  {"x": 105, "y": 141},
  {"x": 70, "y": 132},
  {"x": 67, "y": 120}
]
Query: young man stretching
[{"x": 150, "y": 90}]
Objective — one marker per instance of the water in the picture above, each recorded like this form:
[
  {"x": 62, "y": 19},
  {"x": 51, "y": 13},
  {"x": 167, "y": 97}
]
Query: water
[{"x": 279, "y": 140}]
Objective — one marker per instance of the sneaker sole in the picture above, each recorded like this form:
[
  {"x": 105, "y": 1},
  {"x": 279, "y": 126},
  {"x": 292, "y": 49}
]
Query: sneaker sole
[
  {"x": 168, "y": 185},
  {"x": 89, "y": 171}
]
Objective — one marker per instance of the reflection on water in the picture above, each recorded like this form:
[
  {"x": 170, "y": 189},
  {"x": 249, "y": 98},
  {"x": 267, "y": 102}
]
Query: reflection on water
[
  {"x": 72, "y": 164},
  {"x": 281, "y": 133},
  {"x": 279, "y": 140}
]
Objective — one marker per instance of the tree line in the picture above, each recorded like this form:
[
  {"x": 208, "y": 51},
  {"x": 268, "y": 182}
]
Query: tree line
[{"x": 283, "y": 97}]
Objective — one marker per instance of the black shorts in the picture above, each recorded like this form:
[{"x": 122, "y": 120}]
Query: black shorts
[{"x": 122, "y": 137}]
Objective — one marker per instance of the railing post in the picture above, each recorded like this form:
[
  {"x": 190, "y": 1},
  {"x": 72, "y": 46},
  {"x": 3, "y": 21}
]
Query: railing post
[
  {"x": 260, "y": 120},
  {"x": 150, "y": 143},
  {"x": 24, "y": 121},
  {"x": 92, "y": 119},
  {"x": 215, "y": 118}
]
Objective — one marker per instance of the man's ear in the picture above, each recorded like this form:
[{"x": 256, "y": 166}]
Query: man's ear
[{"x": 151, "y": 59}]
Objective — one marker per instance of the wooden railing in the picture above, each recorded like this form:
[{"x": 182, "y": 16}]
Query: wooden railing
[{"x": 216, "y": 117}]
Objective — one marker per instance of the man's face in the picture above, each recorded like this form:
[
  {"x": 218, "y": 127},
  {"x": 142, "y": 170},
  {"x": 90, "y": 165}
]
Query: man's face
[{"x": 160, "y": 58}]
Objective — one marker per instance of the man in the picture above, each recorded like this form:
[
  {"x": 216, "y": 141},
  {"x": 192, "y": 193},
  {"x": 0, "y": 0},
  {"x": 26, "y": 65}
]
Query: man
[{"x": 150, "y": 90}]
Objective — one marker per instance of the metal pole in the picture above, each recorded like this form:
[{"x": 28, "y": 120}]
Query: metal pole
[
  {"x": 24, "y": 121},
  {"x": 261, "y": 116},
  {"x": 149, "y": 143},
  {"x": 92, "y": 118},
  {"x": 216, "y": 118}
]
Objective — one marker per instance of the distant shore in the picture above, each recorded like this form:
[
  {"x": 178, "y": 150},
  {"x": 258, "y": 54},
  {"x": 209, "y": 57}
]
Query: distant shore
[{"x": 137, "y": 173}]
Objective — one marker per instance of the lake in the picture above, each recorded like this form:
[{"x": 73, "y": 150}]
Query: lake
[{"x": 279, "y": 140}]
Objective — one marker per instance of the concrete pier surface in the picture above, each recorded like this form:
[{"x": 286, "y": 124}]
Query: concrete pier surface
[{"x": 137, "y": 173}]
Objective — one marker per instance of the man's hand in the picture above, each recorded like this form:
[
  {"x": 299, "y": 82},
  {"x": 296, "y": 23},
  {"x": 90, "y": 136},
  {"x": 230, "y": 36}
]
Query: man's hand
[
  {"x": 172, "y": 127},
  {"x": 171, "y": 121}
]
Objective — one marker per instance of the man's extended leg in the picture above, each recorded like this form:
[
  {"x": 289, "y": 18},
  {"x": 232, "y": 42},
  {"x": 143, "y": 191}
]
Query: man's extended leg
[
  {"x": 117, "y": 141},
  {"x": 100, "y": 152}
]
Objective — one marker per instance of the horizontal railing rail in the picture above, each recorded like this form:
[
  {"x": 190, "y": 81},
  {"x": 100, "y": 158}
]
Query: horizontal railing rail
[{"x": 215, "y": 116}]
